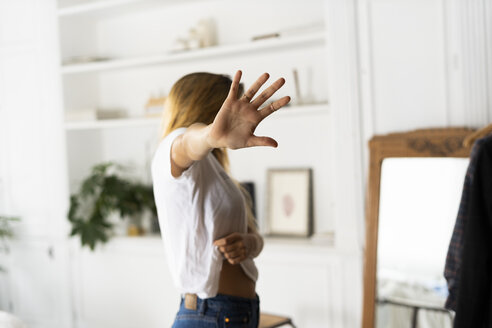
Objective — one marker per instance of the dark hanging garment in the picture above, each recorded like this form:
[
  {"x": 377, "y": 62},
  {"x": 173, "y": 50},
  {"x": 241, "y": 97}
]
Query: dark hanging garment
[
  {"x": 474, "y": 301},
  {"x": 455, "y": 250}
]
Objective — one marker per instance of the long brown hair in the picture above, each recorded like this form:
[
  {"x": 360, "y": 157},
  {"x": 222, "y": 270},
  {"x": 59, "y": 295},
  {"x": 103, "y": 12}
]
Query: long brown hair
[{"x": 197, "y": 98}]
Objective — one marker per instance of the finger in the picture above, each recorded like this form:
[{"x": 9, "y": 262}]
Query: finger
[
  {"x": 234, "y": 246},
  {"x": 235, "y": 85},
  {"x": 255, "y": 141},
  {"x": 266, "y": 94},
  {"x": 236, "y": 260},
  {"x": 220, "y": 242},
  {"x": 234, "y": 254},
  {"x": 228, "y": 239},
  {"x": 248, "y": 95},
  {"x": 274, "y": 106},
  {"x": 230, "y": 248}
]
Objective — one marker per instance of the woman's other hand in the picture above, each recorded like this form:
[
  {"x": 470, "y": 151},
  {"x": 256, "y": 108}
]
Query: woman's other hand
[
  {"x": 237, "y": 119},
  {"x": 235, "y": 247}
]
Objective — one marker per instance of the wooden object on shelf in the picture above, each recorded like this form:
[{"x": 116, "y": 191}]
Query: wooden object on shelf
[
  {"x": 439, "y": 142},
  {"x": 266, "y": 36},
  {"x": 155, "y": 106},
  {"x": 294, "y": 30},
  {"x": 273, "y": 321},
  {"x": 135, "y": 231}
]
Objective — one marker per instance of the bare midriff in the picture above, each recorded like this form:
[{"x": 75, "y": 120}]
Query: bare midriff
[{"x": 233, "y": 281}]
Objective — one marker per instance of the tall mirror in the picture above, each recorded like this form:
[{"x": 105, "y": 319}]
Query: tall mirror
[{"x": 414, "y": 192}]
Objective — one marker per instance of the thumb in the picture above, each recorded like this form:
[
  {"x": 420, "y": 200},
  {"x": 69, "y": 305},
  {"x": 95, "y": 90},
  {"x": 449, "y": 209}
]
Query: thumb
[{"x": 261, "y": 141}]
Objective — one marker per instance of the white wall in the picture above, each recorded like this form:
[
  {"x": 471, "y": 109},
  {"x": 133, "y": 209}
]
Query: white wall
[
  {"x": 423, "y": 64},
  {"x": 408, "y": 65}
]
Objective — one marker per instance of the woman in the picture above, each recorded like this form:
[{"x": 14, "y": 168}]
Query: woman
[{"x": 206, "y": 221}]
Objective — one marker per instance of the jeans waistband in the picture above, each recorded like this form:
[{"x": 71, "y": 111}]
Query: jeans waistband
[{"x": 227, "y": 301}]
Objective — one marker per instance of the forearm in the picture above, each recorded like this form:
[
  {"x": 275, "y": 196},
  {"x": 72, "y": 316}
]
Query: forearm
[
  {"x": 191, "y": 146},
  {"x": 254, "y": 244}
]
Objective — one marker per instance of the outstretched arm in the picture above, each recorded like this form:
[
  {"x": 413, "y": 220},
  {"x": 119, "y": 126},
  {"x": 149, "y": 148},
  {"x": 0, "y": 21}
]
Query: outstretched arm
[{"x": 233, "y": 127}]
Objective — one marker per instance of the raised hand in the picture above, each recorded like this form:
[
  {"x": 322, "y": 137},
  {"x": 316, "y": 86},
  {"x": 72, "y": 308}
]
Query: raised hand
[{"x": 237, "y": 119}]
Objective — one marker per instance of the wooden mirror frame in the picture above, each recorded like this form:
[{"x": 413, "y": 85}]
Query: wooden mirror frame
[{"x": 442, "y": 142}]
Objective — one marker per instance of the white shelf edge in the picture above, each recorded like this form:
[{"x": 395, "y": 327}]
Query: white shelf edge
[
  {"x": 193, "y": 54},
  {"x": 94, "y": 6},
  {"x": 112, "y": 123},
  {"x": 155, "y": 121}
]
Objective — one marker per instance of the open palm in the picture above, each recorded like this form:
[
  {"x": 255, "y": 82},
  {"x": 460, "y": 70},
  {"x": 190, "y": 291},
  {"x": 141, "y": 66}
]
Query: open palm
[{"x": 237, "y": 119}]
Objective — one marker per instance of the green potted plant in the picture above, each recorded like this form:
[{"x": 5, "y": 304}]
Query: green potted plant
[
  {"x": 105, "y": 192},
  {"x": 5, "y": 233}
]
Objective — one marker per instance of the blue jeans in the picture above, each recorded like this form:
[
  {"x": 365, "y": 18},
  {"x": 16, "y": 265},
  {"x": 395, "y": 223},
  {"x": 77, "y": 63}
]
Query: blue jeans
[{"x": 220, "y": 312}]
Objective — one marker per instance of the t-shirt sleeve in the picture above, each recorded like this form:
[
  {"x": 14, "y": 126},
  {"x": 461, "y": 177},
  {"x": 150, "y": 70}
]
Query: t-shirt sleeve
[{"x": 161, "y": 163}]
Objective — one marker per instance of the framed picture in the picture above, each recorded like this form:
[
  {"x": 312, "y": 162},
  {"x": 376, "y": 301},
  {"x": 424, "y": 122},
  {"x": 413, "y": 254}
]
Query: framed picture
[{"x": 289, "y": 202}]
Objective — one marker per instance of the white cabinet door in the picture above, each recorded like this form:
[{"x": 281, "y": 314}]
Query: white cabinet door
[
  {"x": 124, "y": 284},
  {"x": 4, "y": 299},
  {"x": 33, "y": 134},
  {"x": 25, "y": 181},
  {"x": 37, "y": 284},
  {"x": 32, "y": 170}
]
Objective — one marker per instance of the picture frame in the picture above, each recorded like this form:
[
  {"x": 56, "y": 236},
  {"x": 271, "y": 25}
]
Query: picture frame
[{"x": 289, "y": 202}]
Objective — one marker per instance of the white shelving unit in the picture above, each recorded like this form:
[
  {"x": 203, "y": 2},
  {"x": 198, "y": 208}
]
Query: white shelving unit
[
  {"x": 140, "y": 67},
  {"x": 138, "y": 36}
]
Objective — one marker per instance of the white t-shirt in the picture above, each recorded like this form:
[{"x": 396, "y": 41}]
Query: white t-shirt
[{"x": 195, "y": 209}]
